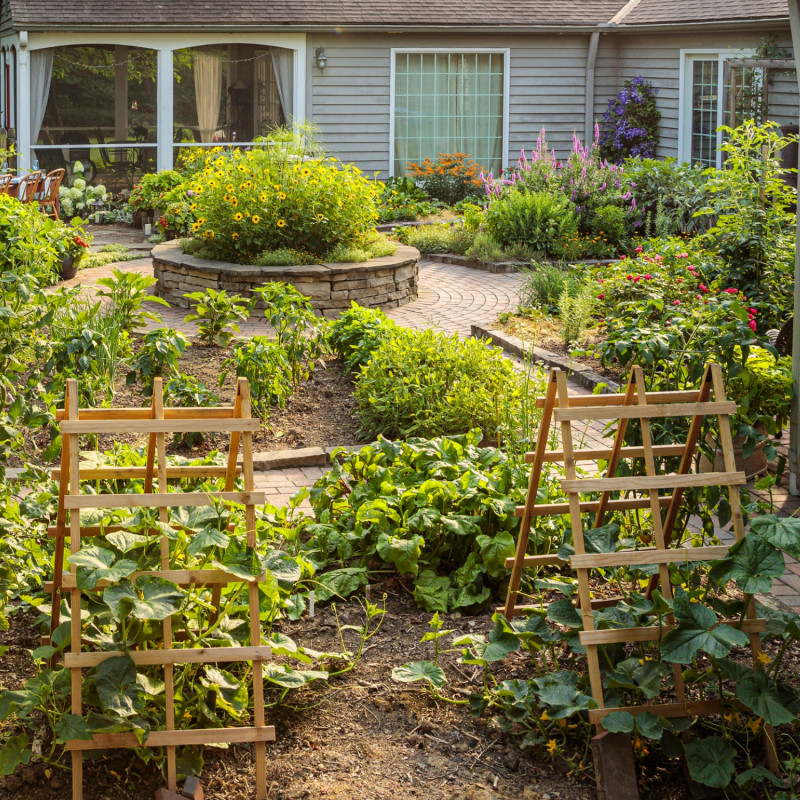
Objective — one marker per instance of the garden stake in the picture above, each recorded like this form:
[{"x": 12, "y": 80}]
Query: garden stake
[{"x": 157, "y": 421}]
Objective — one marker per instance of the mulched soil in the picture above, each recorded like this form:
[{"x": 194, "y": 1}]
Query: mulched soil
[
  {"x": 321, "y": 413},
  {"x": 545, "y": 332}
]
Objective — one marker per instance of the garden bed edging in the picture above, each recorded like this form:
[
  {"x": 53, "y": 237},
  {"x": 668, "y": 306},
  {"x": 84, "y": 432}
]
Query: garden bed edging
[{"x": 385, "y": 282}]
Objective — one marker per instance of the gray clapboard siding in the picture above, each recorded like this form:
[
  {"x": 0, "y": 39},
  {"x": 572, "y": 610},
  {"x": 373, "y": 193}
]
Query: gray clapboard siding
[
  {"x": 546, "y": 90},
  {"x": 658, "y": 58}
]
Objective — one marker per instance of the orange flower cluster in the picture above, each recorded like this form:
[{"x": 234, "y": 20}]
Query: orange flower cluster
[{"x": 459, "y": 165}]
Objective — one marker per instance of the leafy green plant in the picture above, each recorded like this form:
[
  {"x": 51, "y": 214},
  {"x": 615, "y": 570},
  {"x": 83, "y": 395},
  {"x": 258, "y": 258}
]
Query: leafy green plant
[
  {"x": 298, "y": 331},
  {"x": 544, "y": 284},
  {"x": 575, "y": 311},
  {"x": 428, "y": 238},
  {"x": 127, "y": 291},
  {"x": 402, "y": 200},
  {"x": 609, "y": 221},
  {"x": 158, "y": 355},
  {"x": 218, "y": 312},
  {"x": 356, "y": 333},
  {"x": 423, "y": 383},
  {"x": 535, "y": 219},
  {"x": 185, "y": 391},
  {"x": 484, "y": 248},
  {"x": 149, "y": 193}
]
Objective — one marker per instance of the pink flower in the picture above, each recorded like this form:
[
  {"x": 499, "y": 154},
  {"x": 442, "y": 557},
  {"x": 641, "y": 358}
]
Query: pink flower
[
  {"x": 600, "y": 296},
  {"x": 752, "y": 325},
  {"x": 659, "y": 258},
  {"x": 679, "y": 280},
  {"x": 622, "y": 258},
  {"x": 752, "y": 311},
  {"x": 702, "y": 287},
  {"x": 600, "y": 280},
  {"x": 630, "y": 277},
  {"x": 683, "y": 255},
  {"x": 639, "y": 249},
  {"x": 731, "y": 291},
  {"x": 648, "y": 277},
  {"x": 676, "y": 302},
  {"x": 637, "y": 279}
]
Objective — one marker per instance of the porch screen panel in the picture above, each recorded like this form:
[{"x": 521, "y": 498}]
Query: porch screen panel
[
  {"x": 448, "y": 103},
  {"x": 705, "y": 89}
]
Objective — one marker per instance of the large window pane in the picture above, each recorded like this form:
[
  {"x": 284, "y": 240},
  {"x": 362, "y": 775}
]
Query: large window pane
[
  {"x": 448, "y": 103},
  {"x": 705, "y": 90},
  {"x": 230, "y": 93},
  {"x": 97, "y": 105}
]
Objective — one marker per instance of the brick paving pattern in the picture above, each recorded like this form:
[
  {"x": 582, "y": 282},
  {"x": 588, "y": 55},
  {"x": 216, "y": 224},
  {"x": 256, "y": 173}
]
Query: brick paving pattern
[{"x": 451, "y": 299}]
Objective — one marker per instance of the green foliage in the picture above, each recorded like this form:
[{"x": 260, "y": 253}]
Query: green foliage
[
  {"x": 356, "y": 333},
  {"x": 150, "y": 192},
  {"x": 401, "y": 200},
  {"x": 575, "y": 311},
  {"x": 543, "y": 287},
  {"x": 185, "y": 391},
  {"x": 158, "y": 355},
  {"x": 276, "y": 196},
  {"x": 280, "y": 257},
  {"x": 484, "y": 248},
  {"x": 218, "y": 312},
  {"x": 426, "y": 238},
  {"x": 763, "y": 389},
  {"x": 442, "y": 510},
  {"x": 609, "y": 221},
  {"x": 535, "y": 219},
  {"x": 423, "y": 383},
  {"x": 127, "y": 291}
]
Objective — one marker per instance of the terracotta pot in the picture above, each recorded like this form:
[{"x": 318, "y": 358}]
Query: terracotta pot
[
  {"x": 68, "y": 267},
  {"x": 754, "y": 464}
]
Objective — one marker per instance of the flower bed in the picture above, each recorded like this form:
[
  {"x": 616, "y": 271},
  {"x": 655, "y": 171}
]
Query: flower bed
[{"x": 385, "y": 282}]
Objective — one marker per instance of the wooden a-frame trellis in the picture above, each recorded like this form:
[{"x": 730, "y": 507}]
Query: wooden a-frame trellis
[
  {"x": 633, "y": 404},
  {"x": 158, "y": 421}
]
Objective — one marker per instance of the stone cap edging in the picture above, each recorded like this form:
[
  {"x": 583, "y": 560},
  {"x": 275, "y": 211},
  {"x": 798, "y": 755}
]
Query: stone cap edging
[{"x": 171, "y": 253}]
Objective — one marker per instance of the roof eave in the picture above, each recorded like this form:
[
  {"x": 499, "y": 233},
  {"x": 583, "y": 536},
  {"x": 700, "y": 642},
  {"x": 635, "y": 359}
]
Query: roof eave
[{"x": 656, "y": 27}]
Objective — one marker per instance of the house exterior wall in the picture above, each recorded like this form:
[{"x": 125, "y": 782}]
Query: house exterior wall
[
  {"x": 350, "y": 99},
  {"x": 657, "y": 57}
]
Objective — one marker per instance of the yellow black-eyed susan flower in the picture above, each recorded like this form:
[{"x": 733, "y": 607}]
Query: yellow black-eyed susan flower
[
  {"x": 256, "y": 219},
  {"x": 281, "y": 223},
  {"x": 237, "y": 216}
]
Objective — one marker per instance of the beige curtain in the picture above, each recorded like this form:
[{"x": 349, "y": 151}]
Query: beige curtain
[{"x": 207, "y": 92}]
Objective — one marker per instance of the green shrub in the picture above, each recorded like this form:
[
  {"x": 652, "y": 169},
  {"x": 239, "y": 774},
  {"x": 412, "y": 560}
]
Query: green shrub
[
  {"x": 278, "y": 196},
  {"x": 484, "y": 248},
  {"x": 575, "y": 310},
  {"x": 218, "y": 312},
  {"x": 461, "y": 239},
  {"x": 402, "y": 200},
  {"x": 357, "y": 332},
  {"x": 149, "y": 192},
  {"x": 536, "y": 219},
  {"x": 283, "y": 257},
  {"x": 609, "y": 221},
  {"x": 428, "y": 238},
  {"x": 158, "y": 355},
  {"x": 544, "y": 284},
  {"x": 423, "y": 383}
]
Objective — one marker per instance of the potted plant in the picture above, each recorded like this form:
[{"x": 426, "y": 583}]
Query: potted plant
[
  {"x": 71, "y": 249},
  {"x": 763, "y": 391}
]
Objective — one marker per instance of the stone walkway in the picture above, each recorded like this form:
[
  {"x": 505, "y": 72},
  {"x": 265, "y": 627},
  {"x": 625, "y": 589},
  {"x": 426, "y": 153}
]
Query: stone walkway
[{"x": 451, "y": 299}]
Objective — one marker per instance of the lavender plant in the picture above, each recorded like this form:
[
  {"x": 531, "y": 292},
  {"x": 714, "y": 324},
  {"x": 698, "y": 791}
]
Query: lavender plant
[{"x": 630, "y": 125}]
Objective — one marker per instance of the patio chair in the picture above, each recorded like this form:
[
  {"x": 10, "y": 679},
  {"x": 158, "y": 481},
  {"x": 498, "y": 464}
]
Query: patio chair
[
  {"x": 28, "y": 187},
  {"x": 5, "y": 182},
  {"x": 48, "y": 195},
  {"x": 119, "y": 161}
]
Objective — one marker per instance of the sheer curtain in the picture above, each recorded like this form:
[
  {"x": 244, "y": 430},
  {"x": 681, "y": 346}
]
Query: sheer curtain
[
  {"x": 207, "y": 92},
  {"x": 448, "y": 103},
  {"x": 283, "y": 65},
  {"x": 41, "y": 71}
]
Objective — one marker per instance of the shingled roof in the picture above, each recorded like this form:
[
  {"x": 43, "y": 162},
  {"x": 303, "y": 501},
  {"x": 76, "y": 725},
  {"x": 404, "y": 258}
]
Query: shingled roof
[
  {"x": 254, "y": 14},
  {"x": 298, "y": 14},
  {"x": 666, "y": 12}
]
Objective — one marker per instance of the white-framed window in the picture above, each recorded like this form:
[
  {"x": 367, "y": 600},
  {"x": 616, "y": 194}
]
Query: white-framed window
[
  {"x": 710, "y": 94},
  {"x": 449, "y": 101}
]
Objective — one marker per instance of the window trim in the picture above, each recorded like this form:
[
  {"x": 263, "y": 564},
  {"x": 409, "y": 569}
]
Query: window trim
[
  {"x": 687, "y": 58},
  {"x": 504, "y": 51}
]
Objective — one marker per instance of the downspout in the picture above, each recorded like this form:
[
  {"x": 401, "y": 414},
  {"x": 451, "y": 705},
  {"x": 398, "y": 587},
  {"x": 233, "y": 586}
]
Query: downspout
[
  {"x": 588, "y": 100},
  {"x": 794, "y": 424}
]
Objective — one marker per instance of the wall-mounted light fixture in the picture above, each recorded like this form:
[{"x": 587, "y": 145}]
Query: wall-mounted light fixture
[{"x": 320, "y": 57}]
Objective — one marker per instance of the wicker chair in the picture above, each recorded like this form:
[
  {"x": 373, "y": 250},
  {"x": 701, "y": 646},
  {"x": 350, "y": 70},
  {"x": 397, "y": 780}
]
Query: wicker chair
[{"x": 48, "y": 194}]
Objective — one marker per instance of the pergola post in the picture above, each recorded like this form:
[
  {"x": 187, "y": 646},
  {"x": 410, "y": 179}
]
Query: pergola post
[{"x": 794, "y": 425}]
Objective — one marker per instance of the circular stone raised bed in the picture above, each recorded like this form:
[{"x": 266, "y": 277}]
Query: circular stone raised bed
[{"x": 385, "y": 282}]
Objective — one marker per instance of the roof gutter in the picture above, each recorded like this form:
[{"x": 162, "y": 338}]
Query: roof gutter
[{"x": 588, "y": 95}]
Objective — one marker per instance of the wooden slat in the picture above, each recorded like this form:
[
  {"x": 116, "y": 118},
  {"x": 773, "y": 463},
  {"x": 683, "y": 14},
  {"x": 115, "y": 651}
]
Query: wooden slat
[
  {"x": 101, "y": 530},
  {"x": 171, "y": 500},
  {"x": 598, "y": 602},
  {"x": 549, "y": 560},
  {"x": 161, "y": 425},
  {"x": 181, "y": 577},
  {"x": 651, "y": 633},
  {"x": 134, "y": 473},
  {"x": 645, "y": 412},
  {"x": 551, "y": 509},
  {"x": 648, "y": 555},
  {"x": 595, "y": 453},
  {"x": 190, "y": 412},
  {"x": 188, "y": 655},
  {"x": 599, "y": 400},
  {"x": 645, "y": 483},
  {"x": 692, "y": 708},
  {"x": 104, "y": 741}
]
